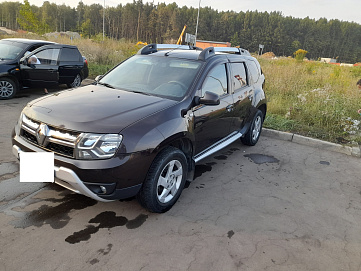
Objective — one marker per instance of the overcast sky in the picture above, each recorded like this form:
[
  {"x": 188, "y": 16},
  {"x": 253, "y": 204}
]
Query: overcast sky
[{"x": 344, "y": 10}]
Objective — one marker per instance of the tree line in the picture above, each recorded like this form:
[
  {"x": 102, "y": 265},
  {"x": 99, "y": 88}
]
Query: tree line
[{"x": 149, "y": 22}]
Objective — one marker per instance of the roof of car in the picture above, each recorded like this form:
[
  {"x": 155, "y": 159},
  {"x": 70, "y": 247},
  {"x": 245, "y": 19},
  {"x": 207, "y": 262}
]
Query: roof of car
[{"x": 28, "y": 41}]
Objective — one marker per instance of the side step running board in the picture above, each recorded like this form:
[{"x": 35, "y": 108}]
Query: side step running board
[{"x": 218, "y": 146}]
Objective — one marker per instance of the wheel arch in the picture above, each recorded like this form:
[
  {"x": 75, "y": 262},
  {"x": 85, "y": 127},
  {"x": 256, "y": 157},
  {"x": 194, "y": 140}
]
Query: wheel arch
[
  {"x": 182, "y": 143},
  {"x": 12, "y": 77},
  {"x": 263, "y": 108}
]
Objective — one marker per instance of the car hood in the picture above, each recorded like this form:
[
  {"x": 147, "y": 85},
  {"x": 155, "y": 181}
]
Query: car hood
[{"x": 95, "y": 109}]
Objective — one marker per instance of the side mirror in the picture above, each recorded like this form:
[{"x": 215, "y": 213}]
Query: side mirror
[
  {"x": 209, "y": 98},
  {"x": 98, "y": 78}
]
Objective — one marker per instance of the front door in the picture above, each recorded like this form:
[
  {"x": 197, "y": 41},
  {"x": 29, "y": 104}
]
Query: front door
[
  {"x": 212, "y": 123},
  {"x": 41, "y": 68}
]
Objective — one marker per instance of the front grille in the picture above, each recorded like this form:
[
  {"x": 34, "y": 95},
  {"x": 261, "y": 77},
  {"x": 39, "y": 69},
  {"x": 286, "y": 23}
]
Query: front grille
[
  {"x": 64, "y": 150},
  {"x": 29, "y": 137},
  {"x": 49, "y": 138}
]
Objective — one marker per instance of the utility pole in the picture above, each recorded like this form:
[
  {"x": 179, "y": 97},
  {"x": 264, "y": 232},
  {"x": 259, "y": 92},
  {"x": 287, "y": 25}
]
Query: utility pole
[
  {"x": 103, "y": 19},
  {"x": 199, "y": 6}
]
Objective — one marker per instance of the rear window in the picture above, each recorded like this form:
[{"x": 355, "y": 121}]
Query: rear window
[
  {"x": 70, "y": 55},
  {"x": 254, "y": 70}
]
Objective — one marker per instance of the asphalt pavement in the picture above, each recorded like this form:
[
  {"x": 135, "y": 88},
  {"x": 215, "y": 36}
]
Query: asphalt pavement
[{"x": 288, "y": 203}]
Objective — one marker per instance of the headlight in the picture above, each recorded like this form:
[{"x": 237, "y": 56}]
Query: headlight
[{"x": 97, "y": 146}]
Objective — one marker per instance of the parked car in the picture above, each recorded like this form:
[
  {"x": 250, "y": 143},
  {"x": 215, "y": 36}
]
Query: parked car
[
  {"x": 141, "y": 128},
  {"x": 36, "y": 63}
]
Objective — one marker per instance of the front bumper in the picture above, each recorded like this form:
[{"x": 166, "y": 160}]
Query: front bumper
[
  {"x": 67, "y": 178},
  {"x": 120, "y": 177}
]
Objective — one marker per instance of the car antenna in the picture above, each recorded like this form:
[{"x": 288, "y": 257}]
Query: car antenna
[{"x": 167, "y": 53}]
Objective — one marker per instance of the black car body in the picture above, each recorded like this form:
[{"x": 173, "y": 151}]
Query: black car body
[
  {"x": 141, "y": 128},
  {"x": 57, "y": 64}
]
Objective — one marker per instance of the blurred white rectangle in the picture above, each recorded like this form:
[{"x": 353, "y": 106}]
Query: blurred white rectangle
[{"x": 37, "y": 167}]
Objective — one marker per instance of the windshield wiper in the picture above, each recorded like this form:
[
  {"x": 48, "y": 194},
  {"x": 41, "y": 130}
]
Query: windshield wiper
[
  {"x": 106, "y": 84},
  {"x": 140, "y": 92}
]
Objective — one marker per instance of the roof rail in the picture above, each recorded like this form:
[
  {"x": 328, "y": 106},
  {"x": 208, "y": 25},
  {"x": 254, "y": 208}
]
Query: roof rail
[
  {"x": 212, "y": 50},
  {"x": 206, "y": 53},
  {"x": 153, "y": 48},
  {"x": 232, "y": 50}
]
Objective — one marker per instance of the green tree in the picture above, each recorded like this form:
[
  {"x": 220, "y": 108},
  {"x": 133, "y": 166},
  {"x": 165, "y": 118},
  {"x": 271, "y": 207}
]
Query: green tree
[{"x": 27, "y": 19}]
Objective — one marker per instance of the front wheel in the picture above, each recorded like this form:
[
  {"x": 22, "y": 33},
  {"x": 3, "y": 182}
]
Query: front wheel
[
  {"x": 8, "y": 88},
  {"x": 254, "y": 132},
  {"x": 76, "y": 83},
  {"x": 165, "y": 181}
]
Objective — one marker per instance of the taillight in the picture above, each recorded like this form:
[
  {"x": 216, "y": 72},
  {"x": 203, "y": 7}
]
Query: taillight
[{"x": 86, "y": 61}]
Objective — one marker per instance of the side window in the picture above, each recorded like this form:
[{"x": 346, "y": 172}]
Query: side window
[
  {"x": 216, "y": 81},
  {"x": 45, "y": 57},
  {"x": 70, "y": 55},
  {"x": 254, "y": 71},
  {"x": 239, "y": 77}
]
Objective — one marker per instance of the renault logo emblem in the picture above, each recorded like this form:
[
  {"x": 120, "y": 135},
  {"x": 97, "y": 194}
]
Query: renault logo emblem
[{"x": 41, "y": 134}]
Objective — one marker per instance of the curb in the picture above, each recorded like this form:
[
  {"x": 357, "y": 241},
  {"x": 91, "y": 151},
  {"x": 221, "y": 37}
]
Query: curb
[{"x": 316, "y": 143}]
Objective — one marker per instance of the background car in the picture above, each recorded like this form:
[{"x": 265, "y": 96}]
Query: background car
[{"x": 56, "y": 64}]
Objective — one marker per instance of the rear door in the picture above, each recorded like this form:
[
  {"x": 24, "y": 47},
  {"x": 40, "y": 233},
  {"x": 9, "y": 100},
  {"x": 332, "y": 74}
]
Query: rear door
[
  {"x": 70, "y": 64},
  {"x": 242, "y": 94},
  {"x": 40, "y": 68}
]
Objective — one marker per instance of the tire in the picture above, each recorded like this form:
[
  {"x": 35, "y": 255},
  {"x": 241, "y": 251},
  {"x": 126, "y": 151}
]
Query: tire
[
  {"x": 165, "y": 181},
  {"x": 254, "y": 132},
  {"x": 76, "y": 83},
  {"x": 8, "y": 88}
]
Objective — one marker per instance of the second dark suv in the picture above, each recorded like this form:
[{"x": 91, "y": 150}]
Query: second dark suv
[
  {"x": 38, "y": 63},
  {"x": 141, "y": 128}
]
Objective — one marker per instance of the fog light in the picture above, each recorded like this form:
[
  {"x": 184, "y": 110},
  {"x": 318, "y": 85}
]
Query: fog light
[{"x": 103, "y": 189}]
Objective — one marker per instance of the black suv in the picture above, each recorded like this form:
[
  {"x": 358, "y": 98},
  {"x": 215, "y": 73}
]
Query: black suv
[
  {"x": 140, "y": 128},
  {"x": 37, "y": 63}
]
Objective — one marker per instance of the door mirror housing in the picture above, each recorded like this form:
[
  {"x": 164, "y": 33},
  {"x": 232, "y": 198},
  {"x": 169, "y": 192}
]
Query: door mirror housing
[
  {"x": 98, "y": 78},
  {"x": 209, "y": 98}
]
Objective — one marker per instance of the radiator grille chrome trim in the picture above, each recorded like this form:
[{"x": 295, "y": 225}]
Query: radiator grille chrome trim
[{"x": 48, "y": 138}]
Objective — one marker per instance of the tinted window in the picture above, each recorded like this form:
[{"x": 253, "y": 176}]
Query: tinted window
[
  {"x": 254, "y": 71},
  {"x": 48, "y": 56},
  {"x": 69, "y": 55},
  {"x": 216, "y": 81},
  {"x": 239, "y": 77}
]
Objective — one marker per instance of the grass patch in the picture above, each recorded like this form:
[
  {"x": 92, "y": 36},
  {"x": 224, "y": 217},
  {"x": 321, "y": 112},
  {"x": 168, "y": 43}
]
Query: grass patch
[
  {"x": 280, "y": 123},
  {"x": 313, "y": 99}
]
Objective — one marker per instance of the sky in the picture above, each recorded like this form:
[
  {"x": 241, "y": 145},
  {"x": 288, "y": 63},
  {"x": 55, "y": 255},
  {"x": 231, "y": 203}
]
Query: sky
[{"x": 343, "y": 10}]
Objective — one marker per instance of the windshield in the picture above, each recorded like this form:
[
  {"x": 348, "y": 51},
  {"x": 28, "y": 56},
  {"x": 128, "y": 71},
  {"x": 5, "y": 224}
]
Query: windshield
[
  {"x": 10, "y": 50},
  {"x": 159, "y": 76}
]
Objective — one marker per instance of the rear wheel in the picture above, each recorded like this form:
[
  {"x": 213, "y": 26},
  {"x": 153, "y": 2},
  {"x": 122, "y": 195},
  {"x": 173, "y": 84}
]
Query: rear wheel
[
  {"x": 76, "y": 83},
  {"x": 8, "y": 88},
  {"x": 165, "y": 181},
  {"x": 252, "y": 135}
]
